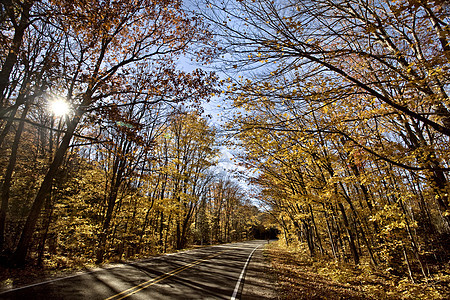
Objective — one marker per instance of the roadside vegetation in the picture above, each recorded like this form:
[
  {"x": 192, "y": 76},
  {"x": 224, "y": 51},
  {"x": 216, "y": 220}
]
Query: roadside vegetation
[
  {"x": 343, "y": 109},
  {"x": 105, "y": 153},
  {"x": 339, "y": 111},
  {"x": 298, "y": 276}
]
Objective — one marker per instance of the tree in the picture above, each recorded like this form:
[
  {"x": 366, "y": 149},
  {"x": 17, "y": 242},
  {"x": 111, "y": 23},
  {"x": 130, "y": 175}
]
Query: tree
[
  {"x": 192, "y": 150},
  {"x": 103, "y": 43},
  {"x": 337, "y": 101},
  {"x": 27, "y": 67}
]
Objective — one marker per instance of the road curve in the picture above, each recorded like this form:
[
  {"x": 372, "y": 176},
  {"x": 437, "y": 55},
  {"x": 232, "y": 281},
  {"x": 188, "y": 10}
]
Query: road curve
[{"x": 215, "y": 272}]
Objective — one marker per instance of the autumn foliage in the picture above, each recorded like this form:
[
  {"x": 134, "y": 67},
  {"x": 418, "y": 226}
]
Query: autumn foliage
[
  {"x": 343, "y": 108},
  {"x": 126, "y": 171}
]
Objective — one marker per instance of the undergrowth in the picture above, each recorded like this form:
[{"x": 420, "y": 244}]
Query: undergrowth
[{"x": 302, "y": 277}]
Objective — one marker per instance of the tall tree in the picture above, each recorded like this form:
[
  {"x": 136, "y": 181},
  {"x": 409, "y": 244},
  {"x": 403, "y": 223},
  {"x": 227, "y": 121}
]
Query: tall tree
[
  {"x": 105, "y": 41},
  {"x": 336, "y": 100}
]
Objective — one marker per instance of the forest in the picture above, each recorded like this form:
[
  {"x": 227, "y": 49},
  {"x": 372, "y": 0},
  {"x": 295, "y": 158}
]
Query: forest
[
  {"x": 105, "y": 153},
  {"x": 343, "y": 108},
  {"x": 339, "y": 109}
]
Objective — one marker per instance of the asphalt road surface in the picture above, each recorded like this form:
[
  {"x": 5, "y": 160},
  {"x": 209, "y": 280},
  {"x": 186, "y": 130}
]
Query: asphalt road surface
[{"x": 216, "y": 272}]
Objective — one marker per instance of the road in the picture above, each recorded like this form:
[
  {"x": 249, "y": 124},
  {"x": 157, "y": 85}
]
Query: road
[{"x": 207, "y": 273}]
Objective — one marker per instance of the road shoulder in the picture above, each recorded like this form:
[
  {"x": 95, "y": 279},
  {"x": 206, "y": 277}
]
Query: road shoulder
[{"x": 259, "y": 279}]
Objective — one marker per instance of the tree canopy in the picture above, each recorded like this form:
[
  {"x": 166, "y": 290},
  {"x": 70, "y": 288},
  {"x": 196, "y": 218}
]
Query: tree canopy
[{"x": 341, "y": 106}]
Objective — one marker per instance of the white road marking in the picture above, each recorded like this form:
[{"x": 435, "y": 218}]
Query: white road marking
[
  {"x": 236, "y": 289},
  {"x": 47, "y": 281},
  {"x": 119, "y": 265},
  {"x": 94, "y": 270}
]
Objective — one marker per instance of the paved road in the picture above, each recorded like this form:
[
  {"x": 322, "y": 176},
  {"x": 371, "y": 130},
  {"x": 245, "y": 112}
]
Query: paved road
[{"x": 207, "y": 273}]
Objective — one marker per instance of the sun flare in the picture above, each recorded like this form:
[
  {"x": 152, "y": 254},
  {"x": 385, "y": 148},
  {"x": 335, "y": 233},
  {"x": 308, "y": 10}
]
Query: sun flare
[{"x": 59, "y": 107}]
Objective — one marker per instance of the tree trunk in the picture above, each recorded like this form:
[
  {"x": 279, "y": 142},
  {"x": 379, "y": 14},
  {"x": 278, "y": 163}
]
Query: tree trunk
[
  {"x": 362, "y": 225},
  {"x": 319, "y": 240},
  {"x": 308, "y": 236},
  {"x": 408, "y": 264},
  {"x": 106, "y": 223},
  {"x": 14, "y": 50},
  {"x": 351, "y": 238},
  {"x": 47, "y": 221},
  {"x": 333, "y": 247},
  {"x": 27, "y": 233},
  {"x": 178, "y": 236},
  {"x": 6, "y": 186},
  {"x": 184, "y": 228}
]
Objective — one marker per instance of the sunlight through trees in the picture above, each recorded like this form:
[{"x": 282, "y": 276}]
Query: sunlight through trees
[{"x": 340, "y": 107}]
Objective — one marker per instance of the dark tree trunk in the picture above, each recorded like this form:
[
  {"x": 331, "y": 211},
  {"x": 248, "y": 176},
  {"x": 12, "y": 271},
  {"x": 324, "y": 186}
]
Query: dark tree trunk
[
  {"x": 47, "y": 221},
  {"x": 19, "y": 32},
  {"x": 6, "y": 186},
  {"x": 106, "y": 224},
  {"x": 319, "y": 240},
  {"x": 27, "y": 233},
  {"x": 351, "y": 238}
]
